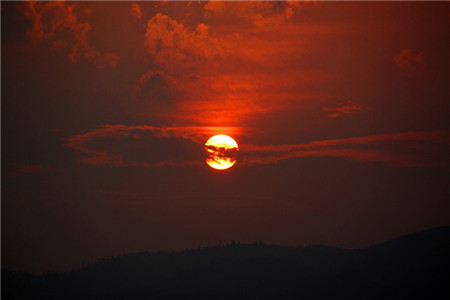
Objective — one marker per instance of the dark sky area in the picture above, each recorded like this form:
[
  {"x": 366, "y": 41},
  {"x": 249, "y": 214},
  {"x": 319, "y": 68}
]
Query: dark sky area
[{"x": 340, "y": 110}]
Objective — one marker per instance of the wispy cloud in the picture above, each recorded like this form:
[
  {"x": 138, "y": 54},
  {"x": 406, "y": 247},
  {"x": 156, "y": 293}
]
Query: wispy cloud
[
  {"x": 405, "y": 149},
  {"x": 350, "y": 109},
  {"x": 123, "y": 146},
  {"x": 148, "y": 146}
]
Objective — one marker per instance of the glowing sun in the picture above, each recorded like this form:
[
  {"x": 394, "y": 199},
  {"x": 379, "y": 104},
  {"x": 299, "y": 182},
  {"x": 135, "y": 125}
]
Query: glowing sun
[{"x": 222, "y": 151}]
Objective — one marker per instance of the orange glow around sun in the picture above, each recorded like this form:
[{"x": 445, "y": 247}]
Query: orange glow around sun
[{"x": 222, "y": 151}]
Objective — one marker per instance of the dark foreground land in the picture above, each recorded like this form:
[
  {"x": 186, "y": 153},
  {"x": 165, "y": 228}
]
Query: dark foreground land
[{"x": 411, "y": 267}]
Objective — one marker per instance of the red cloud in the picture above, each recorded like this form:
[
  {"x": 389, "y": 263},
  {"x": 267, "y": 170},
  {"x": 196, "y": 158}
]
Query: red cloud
[
  {"x": 56, "y": 22},
  {"x": 136, "y": 10},
  {"x": 173, "y": 45},
  {"x": 222, "y": 77},
  {"x": 408, "y": 60}
]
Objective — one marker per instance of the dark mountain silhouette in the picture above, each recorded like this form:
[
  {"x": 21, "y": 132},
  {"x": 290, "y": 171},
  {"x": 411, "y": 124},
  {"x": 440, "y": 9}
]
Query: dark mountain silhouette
[{"x": 411, "y": 267}]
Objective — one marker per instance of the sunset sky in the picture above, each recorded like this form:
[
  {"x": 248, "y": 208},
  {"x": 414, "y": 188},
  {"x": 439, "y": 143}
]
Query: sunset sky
[{"x": 340, "y": 110}]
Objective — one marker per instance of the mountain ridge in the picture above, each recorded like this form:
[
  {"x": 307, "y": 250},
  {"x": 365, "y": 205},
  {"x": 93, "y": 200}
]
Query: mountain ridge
[{"x": 408, "y": 266}]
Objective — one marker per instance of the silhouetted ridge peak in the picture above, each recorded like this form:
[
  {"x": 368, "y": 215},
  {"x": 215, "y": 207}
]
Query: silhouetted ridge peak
[{"x": 413, "y": 266}]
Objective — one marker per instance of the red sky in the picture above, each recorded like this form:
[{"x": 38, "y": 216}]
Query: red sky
[{"x": 340, "y": 110}]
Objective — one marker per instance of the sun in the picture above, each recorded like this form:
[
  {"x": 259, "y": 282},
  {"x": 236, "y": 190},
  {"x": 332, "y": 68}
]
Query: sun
[{"x": 222, "y": 151}]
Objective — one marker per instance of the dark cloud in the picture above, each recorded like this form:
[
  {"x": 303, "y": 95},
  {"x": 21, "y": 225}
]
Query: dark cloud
[
  {"x": 350, "y": 109},
  {"x": 157, "y": 87},
  {"x": 18, "y": 170},
  {"x": 147, "y": 146},
  {"x": 260, "y": 13},
  {"x": 144, "y": 146},
  {"x": 404, "y": 149}
]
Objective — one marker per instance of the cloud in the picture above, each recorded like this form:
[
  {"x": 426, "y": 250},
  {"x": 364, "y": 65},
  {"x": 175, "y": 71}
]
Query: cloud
[
  {"x": 18, "y": 170},
  {"x": 222, "y": 74},
  {"x": 350, "y": 109},
  {"x": 259, "y": 13},
  {"x": 156, "y": 87},
  {"x": 171, "y": 44},
  {"x": 405, "y": 149},
  {"x": 148, "y": 146},
  {"x": 57, "y": 23},
  {"x": 143, "y": 146},
  {"x": 36, "y": 32},
  {"x": 136, "y": 10},
  {"x": 410, "y": 61}
]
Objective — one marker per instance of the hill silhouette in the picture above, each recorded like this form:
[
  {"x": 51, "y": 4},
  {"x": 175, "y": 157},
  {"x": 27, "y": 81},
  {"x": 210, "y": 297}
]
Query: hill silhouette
[{"x": 411, "y": 267}]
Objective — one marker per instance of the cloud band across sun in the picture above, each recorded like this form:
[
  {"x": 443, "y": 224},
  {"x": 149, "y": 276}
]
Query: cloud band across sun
[{"x": 148, "y": 146}]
